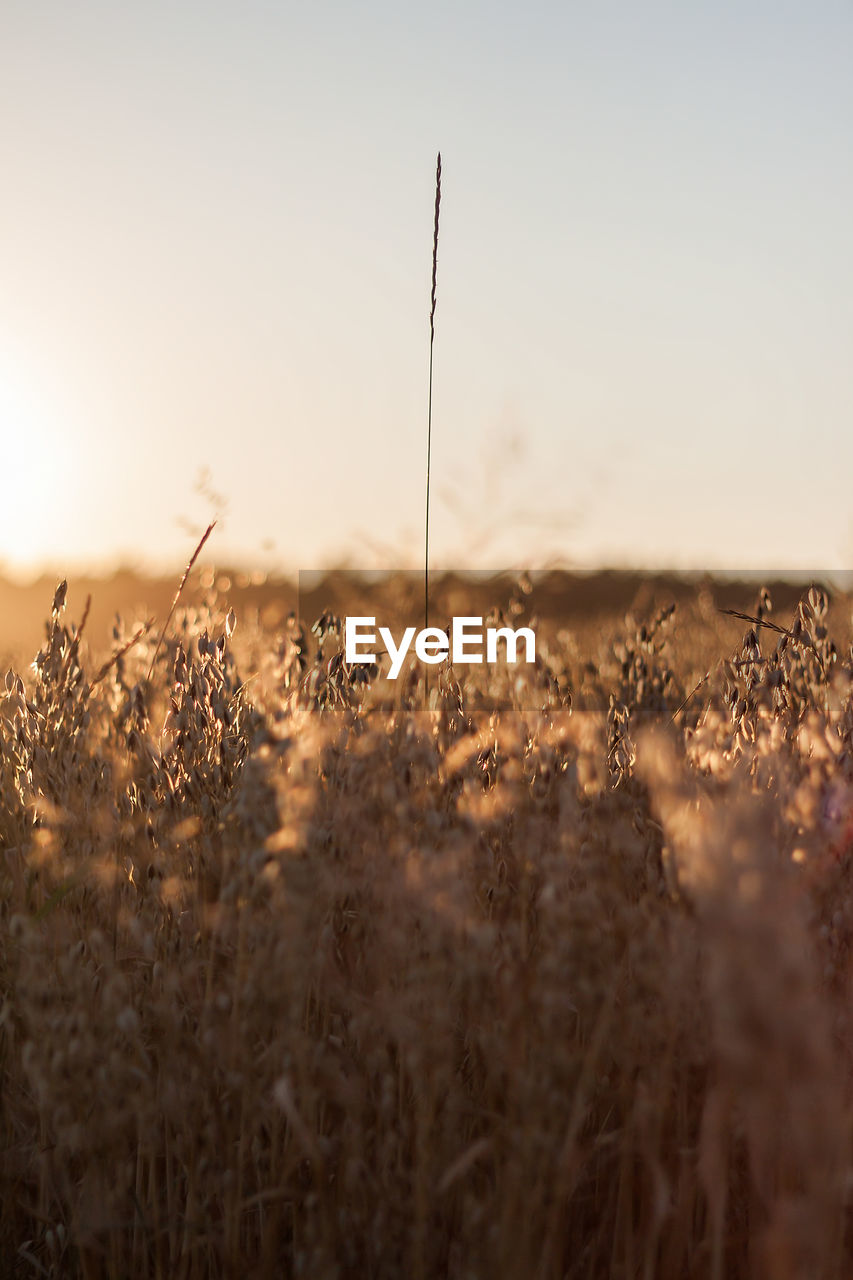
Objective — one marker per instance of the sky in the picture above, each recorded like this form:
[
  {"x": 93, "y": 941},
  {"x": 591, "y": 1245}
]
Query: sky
[{"x": 215, "y": 257}]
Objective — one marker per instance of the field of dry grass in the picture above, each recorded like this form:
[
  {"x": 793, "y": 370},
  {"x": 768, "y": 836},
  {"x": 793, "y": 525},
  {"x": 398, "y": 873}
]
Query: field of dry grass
[{"x": 541, "y": 976}]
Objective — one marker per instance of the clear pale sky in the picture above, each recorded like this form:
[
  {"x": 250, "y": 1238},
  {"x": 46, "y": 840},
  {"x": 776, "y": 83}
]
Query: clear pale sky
[{"x": 215, "y": 256}]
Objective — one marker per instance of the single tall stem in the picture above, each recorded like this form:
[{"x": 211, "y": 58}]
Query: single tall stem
[{"x": 429, "y": 408}]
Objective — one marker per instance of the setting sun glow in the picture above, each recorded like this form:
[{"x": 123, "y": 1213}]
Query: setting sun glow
[{"x": 37, "y": 473}]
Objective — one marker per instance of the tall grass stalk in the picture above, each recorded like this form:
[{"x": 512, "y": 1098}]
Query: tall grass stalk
[
  {"x": 429, "y": 408},
  {"x": 183, "y": 582}
]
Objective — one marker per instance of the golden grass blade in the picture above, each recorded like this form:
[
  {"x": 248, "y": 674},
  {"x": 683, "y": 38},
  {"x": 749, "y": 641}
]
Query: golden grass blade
[{"x": 195, "y": 555}]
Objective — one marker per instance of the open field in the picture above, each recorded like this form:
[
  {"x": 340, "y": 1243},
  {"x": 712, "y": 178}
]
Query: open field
[{"x": 539, "y": 974}]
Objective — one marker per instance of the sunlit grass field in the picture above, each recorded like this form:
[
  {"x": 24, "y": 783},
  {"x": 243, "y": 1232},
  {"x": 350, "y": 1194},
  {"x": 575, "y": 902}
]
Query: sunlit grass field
[{"x": 539, "y": 972}]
